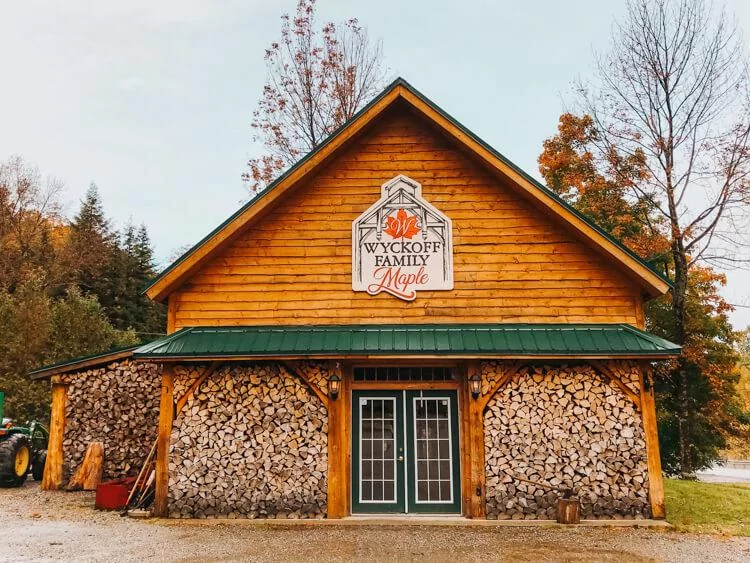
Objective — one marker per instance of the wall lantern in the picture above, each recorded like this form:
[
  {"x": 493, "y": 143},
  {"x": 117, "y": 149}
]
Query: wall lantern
[
  {"x": 334, "y": 384},
  {"x": 475, "y": 384}
]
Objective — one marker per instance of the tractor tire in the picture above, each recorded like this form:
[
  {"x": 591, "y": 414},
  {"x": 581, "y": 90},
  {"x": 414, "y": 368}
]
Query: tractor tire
[
  {"x": 15, "y": 459},
  {"x": 37, "y": 468}
]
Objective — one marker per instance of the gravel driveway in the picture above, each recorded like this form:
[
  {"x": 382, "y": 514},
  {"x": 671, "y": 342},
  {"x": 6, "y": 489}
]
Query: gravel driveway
[{"x": 38, "y": 526}]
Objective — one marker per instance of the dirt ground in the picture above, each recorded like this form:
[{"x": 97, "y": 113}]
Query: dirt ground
[{"x": 39, "y": 526}]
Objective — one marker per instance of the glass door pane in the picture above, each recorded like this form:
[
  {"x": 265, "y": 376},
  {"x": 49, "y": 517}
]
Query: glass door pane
[
  {"x": 434, "y": 472},
  {"x": 377, "y": 452}
]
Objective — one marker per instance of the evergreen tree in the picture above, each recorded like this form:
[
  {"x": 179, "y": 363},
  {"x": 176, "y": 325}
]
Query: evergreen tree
[
  {"x": 133, "y": 268},
  {"x": 114, "y": 267},
  {"x": 153, "y": 316},
  {"x": 92, "y": 246}
]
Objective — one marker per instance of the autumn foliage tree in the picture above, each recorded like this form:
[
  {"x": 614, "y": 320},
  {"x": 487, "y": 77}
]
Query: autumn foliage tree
[
  {"x": 603, "y": 189},
  {"x": 318, "y": 78},
  {"x": 67, "y": 287},
  {"x": 29, "y": 223},
  {"x": 672, "y": 93}
]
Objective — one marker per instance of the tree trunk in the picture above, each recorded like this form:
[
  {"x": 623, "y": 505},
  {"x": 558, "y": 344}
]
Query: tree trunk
[{"x": 679, "y": 305}]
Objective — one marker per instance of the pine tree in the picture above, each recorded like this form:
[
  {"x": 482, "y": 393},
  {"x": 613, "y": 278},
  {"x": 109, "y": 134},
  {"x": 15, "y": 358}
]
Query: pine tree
[
  {"x": 152, "y": 316},
  {"x": 133, "y": 267},
  {"x": 92, "y": 247}
]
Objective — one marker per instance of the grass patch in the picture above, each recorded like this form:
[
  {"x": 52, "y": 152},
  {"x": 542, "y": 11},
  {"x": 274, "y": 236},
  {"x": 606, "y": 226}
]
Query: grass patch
[{"x": 708, "y": 508}]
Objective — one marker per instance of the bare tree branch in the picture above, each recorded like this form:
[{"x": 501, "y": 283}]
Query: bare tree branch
[{"x": 318, "y": 78}]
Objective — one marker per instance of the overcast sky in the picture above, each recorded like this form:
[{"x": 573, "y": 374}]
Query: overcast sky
[{"x": 151, "y": 99}]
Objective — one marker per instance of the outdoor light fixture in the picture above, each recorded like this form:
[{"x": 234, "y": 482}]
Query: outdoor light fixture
[
  {"x": 475, "y": 384},
  {"x": 334, "y": 383}
]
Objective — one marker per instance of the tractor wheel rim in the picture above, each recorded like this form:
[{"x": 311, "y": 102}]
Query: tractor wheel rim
[{"x": 22, "y": 461}]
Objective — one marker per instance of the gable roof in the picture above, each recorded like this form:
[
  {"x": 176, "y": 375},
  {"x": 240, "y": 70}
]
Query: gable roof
[{"x": 652, "y": 282}]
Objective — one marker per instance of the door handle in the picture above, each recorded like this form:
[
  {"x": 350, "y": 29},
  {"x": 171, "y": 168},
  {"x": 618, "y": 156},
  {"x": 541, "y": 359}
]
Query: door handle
[{"x": 401, "y": 458}]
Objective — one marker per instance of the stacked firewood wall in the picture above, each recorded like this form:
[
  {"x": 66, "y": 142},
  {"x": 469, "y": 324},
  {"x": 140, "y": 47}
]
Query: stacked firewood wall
[
  {"x": 557, "y": 428},
  {"x": 117, "y": 405},
  {"x": 250, "y": 443}
]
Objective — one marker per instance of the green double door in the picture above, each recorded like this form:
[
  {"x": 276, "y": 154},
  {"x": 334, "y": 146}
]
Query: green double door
[{"x": 405, "y": 452}]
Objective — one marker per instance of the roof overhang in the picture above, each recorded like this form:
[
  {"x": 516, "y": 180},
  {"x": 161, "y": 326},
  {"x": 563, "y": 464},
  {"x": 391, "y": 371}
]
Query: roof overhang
[
  {"x": 81, "y": 363},
  {"x": 651, "y": 282},
  {"x": 382, "y": 342}
]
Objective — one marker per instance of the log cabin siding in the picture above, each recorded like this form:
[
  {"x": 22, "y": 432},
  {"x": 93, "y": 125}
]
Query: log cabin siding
[{"x": 511, "y": 263}]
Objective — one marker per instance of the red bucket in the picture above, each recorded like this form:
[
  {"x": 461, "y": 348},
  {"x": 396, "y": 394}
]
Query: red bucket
[{"x": 113, "y": 495}]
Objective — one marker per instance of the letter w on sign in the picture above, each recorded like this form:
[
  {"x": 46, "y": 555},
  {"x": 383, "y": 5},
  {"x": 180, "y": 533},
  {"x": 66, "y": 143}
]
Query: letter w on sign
[{"x": 402, "y": 244}]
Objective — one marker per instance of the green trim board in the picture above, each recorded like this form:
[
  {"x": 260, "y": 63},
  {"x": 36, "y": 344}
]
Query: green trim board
[
  {"x": 400, "y": 82},
  {"x": 473, "y": 340}
]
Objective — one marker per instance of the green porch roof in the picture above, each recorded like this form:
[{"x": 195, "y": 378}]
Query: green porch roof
[
  {"x": 458, "y": 340},
  {"x": 82, "y": 362}
]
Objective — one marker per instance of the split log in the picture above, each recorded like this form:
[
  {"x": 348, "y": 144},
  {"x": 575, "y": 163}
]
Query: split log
[
  {"x": 564, "y": 427},
  {"x": 89, "y": 473},
  {"x": 252, "y": 442},
  {"x": 117, "y": 405}
]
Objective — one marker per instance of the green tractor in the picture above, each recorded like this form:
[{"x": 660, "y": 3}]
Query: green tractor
[{"x": 22, "y": 449}]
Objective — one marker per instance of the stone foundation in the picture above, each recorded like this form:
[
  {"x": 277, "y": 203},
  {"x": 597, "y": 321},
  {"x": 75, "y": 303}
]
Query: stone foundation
[
  {"x": 251, "y": 443},
  {"x": 117, "y": 405},
  {"x": 552, "y": 428}
]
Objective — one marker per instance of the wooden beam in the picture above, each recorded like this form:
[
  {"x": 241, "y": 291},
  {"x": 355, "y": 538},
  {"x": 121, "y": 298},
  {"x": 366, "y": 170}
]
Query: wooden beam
[
  {"x": 509, "y": 370},
  {"x": 612, "y": 376},
  {"x": 478, "y": 504},
  {"x": 338, "y": 448},
  {"x": 166, "y": 417},
  {"x": 210, "y": 370},
  {"x": 172, "y": 312},
  {"x": 296, "y": 369},
  {"x": 648, "y": 415},
  {"x": 53, "y": 470},
  {"x": 464, "y": 398}
]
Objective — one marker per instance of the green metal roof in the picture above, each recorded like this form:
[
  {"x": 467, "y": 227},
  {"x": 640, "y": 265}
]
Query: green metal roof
[
  {"x": 473, "y": 340},
  {"x": 401, "y": 82},
  {"x": 90, "y": 361}
]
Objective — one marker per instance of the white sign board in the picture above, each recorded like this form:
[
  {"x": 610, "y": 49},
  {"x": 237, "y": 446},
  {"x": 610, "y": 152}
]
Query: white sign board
[{"x": 402, "y": 244}]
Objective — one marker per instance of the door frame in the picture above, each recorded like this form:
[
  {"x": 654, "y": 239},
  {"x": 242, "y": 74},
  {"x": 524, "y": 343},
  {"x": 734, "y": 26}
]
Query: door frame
[{"x": 462, "y": 395}]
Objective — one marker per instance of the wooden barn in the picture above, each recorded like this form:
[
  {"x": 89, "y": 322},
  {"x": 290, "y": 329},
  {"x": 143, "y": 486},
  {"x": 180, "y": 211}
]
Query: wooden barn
[{"x": 404, "y": 322}]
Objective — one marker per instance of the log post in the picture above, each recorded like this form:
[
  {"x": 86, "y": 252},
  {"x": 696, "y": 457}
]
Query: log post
[
  {"x": 648, "y": 414},
  {"x": 477, "y": 506},
  {"x": 53, "y": 469},
  {"x": 166, "y": 418},
  {"x": 338, "y": 447},
  {"x": 568, "y": 511}
]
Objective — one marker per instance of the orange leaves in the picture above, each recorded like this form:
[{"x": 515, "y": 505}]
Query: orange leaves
[
  {"x": 402, "y": 225},
  {"x": 599, "y": 182}
]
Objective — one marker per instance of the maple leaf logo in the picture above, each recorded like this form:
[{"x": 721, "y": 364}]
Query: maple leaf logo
[{"x": 402, "y": 225}]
